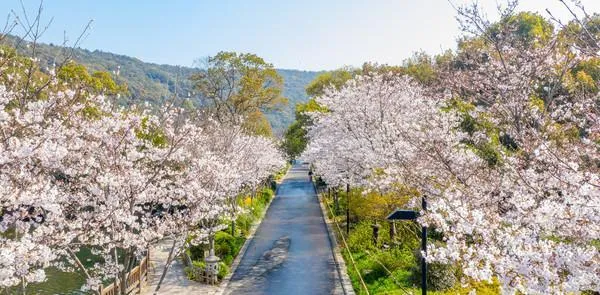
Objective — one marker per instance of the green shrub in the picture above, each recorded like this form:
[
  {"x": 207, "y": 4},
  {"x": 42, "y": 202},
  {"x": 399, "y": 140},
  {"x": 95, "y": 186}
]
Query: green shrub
[
  {"x": 481, "y": 288},
  {"x": 266, "y": 194},
  {"x": 279, "y": 175},
  {"x": 361, "y": 237},
  {"x": 199, "y": 264},
  {"x": 396, "y": 258},
  {"x": 371, "y": 271},
  {"x": 256, "y": 210},
  {"x": 223, "y": 270},
  {"x": 227, "y": 246},
  {"x": 408, "y": 235},
  {"x": 439, "y": 276},
  {"x": 244, "y": 223},
  {"x": 188, "y": 273},
  {"x": 197, "y": 252},
  {"x": 224, "y": 243}
]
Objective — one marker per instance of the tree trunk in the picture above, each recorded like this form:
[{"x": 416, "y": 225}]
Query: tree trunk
[
  {"x": 162, "y": 277},
  {"x": 80, "y": 266},
  {"x": 211, "y": 245},
  {"x": 126, "y": 265}
]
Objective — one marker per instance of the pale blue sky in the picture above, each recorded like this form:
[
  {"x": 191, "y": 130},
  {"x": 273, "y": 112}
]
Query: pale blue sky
[{"x": 299, "y": 34}]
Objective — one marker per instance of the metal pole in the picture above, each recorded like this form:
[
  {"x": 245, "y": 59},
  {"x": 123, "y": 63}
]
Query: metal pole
[
  {"x": 424, "y": 250},
  {"x": 347, "y": 209}
]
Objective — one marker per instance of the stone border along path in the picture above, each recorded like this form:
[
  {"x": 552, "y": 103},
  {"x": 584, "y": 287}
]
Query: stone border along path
[
  {"x": 340, "y": 263},
  {"x": 176, "y": 281}
]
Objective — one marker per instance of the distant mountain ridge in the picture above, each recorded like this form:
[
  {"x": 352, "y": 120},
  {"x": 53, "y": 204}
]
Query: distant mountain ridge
[{"x": 154, "y": 83}]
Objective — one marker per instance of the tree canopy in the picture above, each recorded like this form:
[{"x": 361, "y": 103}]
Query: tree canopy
[
  {"x": 500, "y": 136},
  {"x": 240, "y": 88}
]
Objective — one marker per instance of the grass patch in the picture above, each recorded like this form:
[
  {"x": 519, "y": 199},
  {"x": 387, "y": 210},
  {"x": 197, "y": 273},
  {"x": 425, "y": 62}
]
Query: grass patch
[{"x": 390, "y": 265}]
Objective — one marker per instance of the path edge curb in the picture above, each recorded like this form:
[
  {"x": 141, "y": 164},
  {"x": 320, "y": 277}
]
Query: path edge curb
[{"x": 340, "y": 263}]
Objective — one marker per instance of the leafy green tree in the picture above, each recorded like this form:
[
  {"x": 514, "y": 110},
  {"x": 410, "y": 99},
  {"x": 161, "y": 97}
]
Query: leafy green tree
[
  {"x": 295, "y": 139},
  {"x": 528, "y": 27},
  {"x": 25, "y": 76},
  {"x": 239, "y": 88},
  {"x": 22, "y": 75},
  {"x": 258, "y": 124},
  {"x": 336, "y": 78},
  {"x": 420, "y": 67},
  {"x": 77, "y": 77}
]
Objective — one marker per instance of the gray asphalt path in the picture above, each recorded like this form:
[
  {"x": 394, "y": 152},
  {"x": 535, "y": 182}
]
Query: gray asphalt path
[{"x": 290, "y": 252}]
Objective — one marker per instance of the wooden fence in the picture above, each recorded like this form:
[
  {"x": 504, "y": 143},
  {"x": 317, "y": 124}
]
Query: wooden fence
[{"x": 134, "y": 281}]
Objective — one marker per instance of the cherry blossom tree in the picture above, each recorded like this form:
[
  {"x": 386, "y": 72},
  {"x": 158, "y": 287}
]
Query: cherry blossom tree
[
  {"x": 80, "y": 173},
  {"x": 222, "y": 163},
  {"x": 513, "y": 193},
  {"x": 31, "y": 150}
]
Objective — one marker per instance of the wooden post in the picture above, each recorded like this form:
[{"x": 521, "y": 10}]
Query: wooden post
[
  {"x": 147, "y": 263},
  {"x": 336, "y": 201},
  {"x": 347, "y": 209},
  {"x": 140, "y": 280}
]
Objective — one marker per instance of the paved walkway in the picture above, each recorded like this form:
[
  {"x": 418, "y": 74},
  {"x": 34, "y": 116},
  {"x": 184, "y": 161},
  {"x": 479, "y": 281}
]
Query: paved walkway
[
  {"x": 290, "y": 252},
  {"x": 175, "y": 282}
]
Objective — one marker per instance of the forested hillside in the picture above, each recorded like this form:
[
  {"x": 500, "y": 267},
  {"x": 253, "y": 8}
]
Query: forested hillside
[
  {"x": 153, "y": 83},
  {"x": 293, "y": 88}
]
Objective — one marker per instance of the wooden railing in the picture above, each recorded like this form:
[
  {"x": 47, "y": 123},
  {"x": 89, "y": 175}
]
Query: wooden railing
[{"x": 134, "y": 281}]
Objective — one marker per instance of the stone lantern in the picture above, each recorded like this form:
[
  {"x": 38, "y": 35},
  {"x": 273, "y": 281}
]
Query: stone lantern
[
  {"x": 212, "y": 268},
  {"x": 212, "y": 264}
]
